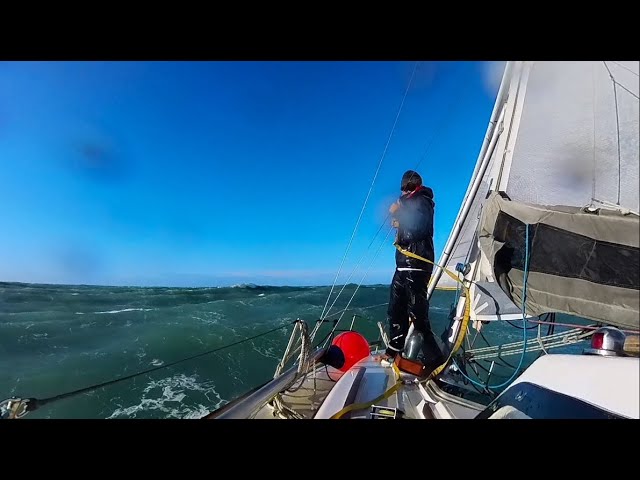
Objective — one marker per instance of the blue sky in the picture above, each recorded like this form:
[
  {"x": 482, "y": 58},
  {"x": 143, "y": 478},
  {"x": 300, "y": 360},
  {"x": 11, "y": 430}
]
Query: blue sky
[{"x": 219, "y": 173}]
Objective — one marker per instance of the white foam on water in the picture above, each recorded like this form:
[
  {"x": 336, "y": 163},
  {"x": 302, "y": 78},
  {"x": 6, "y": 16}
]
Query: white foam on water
[
  {"x": 233, "y": 330},
  {"x": 127, "y": 310},
  {"x": 210, "y": 318},
  {"x": 74, "y": 294},
  {"x": 439, "y": 309},
  {"x": 265, "y": 352},
  {"x": 95, "y": 354},
  {"x": 198, "y": 413},
  {"x": 171, "y": 392},
  {"x": 220, "y": 300},
  {"x": 157, "y": 362}
]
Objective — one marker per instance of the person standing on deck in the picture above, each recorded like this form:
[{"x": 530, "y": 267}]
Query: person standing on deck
[{"x": 413, "y": 217}]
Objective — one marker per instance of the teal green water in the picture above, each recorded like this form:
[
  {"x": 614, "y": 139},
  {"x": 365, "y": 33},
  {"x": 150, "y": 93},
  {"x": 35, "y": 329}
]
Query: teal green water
[{"x": 54, "y": 339}]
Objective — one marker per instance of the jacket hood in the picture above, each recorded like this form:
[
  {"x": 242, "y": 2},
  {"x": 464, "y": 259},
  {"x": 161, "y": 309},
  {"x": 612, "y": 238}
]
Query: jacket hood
[{"x": 424, "y": 192}]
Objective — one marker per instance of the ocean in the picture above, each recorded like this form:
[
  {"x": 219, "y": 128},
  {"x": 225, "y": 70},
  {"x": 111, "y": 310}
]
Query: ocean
[{"x": 56, "y": 338}]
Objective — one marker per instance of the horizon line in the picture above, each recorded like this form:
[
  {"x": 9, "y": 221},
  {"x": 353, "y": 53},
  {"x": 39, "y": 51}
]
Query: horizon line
[
  {"x": 193, "y": 287},
  {"x": 201, "y": 287}
]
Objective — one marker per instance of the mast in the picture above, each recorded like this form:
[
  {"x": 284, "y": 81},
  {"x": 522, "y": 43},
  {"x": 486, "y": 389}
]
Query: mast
[{"x": 476, "y": 177}]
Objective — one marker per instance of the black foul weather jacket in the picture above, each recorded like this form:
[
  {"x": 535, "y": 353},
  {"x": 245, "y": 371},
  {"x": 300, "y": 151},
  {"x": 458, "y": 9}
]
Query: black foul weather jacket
[{"x": 415, "y": 230}]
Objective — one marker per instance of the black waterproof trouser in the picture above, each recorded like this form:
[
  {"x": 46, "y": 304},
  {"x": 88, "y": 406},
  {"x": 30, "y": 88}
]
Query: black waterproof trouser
[{"x": 408, "y": 300}]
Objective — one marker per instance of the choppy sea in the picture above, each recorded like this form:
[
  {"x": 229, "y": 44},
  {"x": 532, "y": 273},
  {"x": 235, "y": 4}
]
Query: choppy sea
[{"x": 55, "y": 339}]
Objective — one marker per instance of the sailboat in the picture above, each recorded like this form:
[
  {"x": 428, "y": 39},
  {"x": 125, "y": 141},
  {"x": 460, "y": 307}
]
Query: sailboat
[{"x": 549, "y": 225}]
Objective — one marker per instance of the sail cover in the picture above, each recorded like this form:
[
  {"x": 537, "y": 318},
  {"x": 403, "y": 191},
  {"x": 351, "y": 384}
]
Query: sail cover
[
  {"x": 581, "y": 262},
  {"x": 566, "y": 163}
]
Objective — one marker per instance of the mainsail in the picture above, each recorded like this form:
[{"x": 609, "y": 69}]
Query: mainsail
[{"x": 559, "y": 168}]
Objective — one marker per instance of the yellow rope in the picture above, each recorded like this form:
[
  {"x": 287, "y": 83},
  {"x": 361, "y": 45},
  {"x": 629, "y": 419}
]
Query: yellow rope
[
  {"x": 360, "y": 406},
  {"x": 459, "y": 339},
  {"x": 465, "y": 317}
]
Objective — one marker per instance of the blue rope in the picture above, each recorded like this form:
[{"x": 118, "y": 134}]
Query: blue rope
[{"x": 524, "y": 319}]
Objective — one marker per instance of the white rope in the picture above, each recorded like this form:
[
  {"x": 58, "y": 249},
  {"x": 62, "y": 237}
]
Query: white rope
[
  {"x": 283, "y": 411},
  {"x": 540, "y": 339},
  {"x": 304, "y": 363},
  {"x": 623, "y": 210},
  {"x": 533, "y": 348},
  {"x": 370, "y": 189},
  {"x": 494, "y": 348},
  {"x": 383, "y": 334},
  {"x": 533, "y": 345},
  {"x": 305, "y": 349},
  {"x": 285, "y": 355}
]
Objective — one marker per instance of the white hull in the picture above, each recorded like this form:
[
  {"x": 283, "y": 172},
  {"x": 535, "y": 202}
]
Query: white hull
[{"x": 554, "y": 386}]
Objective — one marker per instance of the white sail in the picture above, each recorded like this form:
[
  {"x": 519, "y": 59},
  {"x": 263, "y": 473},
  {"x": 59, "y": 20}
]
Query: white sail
[
  {"x": 564, "y": 144},
  {"x": 568, "y": 138}
]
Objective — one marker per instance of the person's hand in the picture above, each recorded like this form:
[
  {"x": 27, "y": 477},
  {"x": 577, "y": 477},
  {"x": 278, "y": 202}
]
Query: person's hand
[{"x": 394, "y": 207}]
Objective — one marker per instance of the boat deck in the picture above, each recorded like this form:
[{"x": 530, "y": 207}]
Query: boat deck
[
  {"x": 305, "y": 397},
  {"x": 360, "y": 385}
]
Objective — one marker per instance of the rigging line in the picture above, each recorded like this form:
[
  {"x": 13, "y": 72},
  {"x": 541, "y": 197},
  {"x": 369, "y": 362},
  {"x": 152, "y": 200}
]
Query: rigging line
[
  {"x": 503, "y": 347},
  {"x": 625, "y": 88},
  {"x": 615, "y": 98},
  {"x": 524, "y": 319},
  {"x": 362, "y": 279},
  {"x": 366, "y": 271},
  {"x": 352, "y": 272},
  {"x": 626, "y": 68},
  {"x": 575, "y": 325},
  {"x": 35, "y": 403},
  {"x": 326, "y": 314},
  {"x": 371, "y": 187},
  {"x": 357, "y": 308},
  {"x": 455, "y": 103},
  {"x": 615, "y": 82},
  {"x": 593, "y": 83}
]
